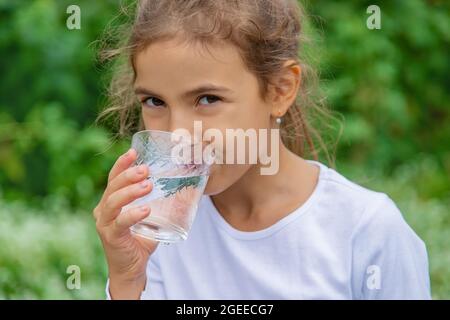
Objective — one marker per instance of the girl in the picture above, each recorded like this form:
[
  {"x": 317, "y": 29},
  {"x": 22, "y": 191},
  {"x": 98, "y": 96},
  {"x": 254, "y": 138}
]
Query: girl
[{"x": 305, "y": 232}]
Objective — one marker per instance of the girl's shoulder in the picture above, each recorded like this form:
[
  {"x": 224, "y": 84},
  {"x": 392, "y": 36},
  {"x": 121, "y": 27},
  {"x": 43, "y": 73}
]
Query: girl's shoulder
[
  {"x": 333, "y": 187},
  {"x": 361, "y": 208},
  {"x": 339, "y": 185}
]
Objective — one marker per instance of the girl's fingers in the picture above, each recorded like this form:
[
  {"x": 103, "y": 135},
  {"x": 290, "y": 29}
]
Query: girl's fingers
[
  {"x": 127, "y": 177},
  {"x": 122, "y": 197},
  {"x": 122, "y": 163},
  {"x": 130, "y": 217}
]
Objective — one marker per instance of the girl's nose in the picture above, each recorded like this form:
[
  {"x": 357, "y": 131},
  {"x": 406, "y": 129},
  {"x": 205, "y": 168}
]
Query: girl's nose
[{"x": 183, "y": 120}]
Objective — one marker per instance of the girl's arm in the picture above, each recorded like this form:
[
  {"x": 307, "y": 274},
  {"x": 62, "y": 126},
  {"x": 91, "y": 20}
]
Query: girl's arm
[
  {"x": 124, "y": 289},
  {"x": 389, "y": 260}
]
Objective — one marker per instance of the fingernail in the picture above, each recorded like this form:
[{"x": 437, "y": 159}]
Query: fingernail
[
  {"x": 127, "y": 154},
  {"x": 144, "y": 184},
  {"x": 143, "y": 208},
  {"x": 140, "y": 169}
]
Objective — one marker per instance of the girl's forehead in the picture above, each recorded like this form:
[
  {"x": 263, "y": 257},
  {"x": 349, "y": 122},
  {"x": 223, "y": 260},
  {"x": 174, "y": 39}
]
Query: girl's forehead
[
  {"x": 166, "y": 58},
  {"x": 218, "y": 52}
]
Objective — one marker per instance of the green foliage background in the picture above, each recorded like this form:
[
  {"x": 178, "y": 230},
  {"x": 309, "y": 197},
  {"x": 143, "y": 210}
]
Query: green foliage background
[{"x": 390, "y": 85}]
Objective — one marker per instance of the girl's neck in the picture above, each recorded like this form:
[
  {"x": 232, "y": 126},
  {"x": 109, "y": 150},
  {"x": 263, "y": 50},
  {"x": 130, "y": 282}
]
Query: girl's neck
[{"x": 257, "y": 201}]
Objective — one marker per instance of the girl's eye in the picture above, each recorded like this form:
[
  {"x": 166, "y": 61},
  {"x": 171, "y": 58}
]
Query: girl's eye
[
  {"x": 152, "y": 102},
  {"x": 208, "y": 99},
  {"x": 155, "y": 102}
]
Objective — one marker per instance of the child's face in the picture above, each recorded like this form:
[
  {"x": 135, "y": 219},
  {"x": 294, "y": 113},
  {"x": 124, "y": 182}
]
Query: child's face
[{"x": 167, "y": 70}]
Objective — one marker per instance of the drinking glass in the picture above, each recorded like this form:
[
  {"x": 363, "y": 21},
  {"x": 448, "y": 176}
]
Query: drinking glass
[{"x": 177, "y": 187}]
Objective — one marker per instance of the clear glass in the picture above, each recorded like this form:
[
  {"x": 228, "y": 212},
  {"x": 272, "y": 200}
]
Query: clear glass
[{"x": 177, "y": 188}]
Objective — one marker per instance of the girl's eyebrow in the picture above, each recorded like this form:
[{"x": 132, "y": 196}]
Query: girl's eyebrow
[{"x": 190, "y": 93}]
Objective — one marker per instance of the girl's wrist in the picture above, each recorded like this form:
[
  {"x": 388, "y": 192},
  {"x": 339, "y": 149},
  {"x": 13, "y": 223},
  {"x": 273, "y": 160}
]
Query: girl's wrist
[
  {"x": 126, "y": 287},
  {"x": 127, "y": 277}
]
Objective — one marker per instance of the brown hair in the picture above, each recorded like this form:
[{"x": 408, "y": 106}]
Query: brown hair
[{"x": 267, "y": 33}]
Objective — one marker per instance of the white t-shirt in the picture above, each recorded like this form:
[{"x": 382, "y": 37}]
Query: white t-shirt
[{"x": 344, "y": 242}]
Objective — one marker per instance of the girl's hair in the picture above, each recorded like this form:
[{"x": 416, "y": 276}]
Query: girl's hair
[{"x": 266, "y": 33}]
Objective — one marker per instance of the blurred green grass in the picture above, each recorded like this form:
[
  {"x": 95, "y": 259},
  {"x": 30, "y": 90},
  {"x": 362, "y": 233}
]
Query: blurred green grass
[{"x": 39, "y": 245}]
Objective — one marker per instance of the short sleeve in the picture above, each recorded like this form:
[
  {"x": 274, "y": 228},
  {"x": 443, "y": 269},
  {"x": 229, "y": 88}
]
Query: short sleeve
[
  {"x": 108, "y": 294},
  {"x": 389, "y": 260}
]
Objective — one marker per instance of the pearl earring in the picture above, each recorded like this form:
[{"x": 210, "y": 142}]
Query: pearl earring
[{"x": 278, "y": 119}]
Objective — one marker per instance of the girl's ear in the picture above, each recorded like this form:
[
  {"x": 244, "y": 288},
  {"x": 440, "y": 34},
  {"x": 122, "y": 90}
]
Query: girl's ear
[{"x": 284, "y": 88}]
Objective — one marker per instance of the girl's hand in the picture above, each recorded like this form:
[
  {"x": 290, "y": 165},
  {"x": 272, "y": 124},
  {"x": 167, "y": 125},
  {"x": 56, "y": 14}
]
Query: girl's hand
[{"x": 127, "y": 255}]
